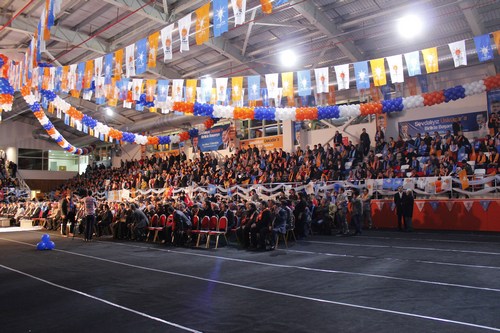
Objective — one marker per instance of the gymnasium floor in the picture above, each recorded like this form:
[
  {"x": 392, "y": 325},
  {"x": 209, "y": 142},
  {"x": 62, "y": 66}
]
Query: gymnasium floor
[{"x": 382, "y": 281}]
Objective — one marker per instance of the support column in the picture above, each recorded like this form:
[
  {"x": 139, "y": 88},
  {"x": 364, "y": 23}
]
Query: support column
[
  {"x": 11, "y": 153},
  {"x": 288, "y": 136}
]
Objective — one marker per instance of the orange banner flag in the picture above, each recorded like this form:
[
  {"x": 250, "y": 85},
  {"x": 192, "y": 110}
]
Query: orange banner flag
[
  {"x": 287, "y": 83},
  {"x": 191, "y": 90},
  {"x": 89, "y": 72},
  {"x": 331, "y": 95},
  {"x": 462, "y": 175},
  {"x": 431, "y": 60},
  {"x": 267, "y": 6},
  {"x": 46, "y": 31},
  {"x": 64, "y": 78},
  {"x": 374, "y": 93},
  {"x": 496, "y": 38},
  {"x": 118, "y": 64},
  {"x": 236, "y": 88},
  {"x": 46, "y": 78},
  {"x": 378, "y": 72},
  {"x": 153, "y": 49},
  {"x": 150, "y": 90},
  {"x": 202, "y": 24}
]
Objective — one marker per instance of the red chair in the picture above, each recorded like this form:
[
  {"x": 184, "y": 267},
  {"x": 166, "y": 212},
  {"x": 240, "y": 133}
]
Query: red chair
[
  {"x": 220, "y": 230},
  {"x": 205, "y": 223},
  {"x": 214, "y": 221},
  {"x": 196, "y": 221},
  {"x": 170, "y": 225},
  {"x": 160, "y": 227},
  {"x": 153, "y": 223}
]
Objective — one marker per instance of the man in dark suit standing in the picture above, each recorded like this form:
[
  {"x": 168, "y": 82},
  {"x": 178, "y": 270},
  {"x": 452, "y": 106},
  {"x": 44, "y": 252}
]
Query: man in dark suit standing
[
  {"x": 398, "y": 201},
  {"x": 408, "y": 201}
]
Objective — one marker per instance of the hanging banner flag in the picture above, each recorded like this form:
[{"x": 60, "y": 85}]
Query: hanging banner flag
[
  {"x": 108, "y": 68},
  {"x": 253, "y": 83},
  {"x": 343, "y": 77},
  {"x": 483, "y": 47},
  {"x": 266, "y": 6},
  {"x": 413, "y": 63},
  {"x": 64, "y": 79},
  {"x": 221, "y": 85},
  {"x": 99, "y": 91},
  {"x": 322, "y": 78},
  {"x": 184, "y": 25},
  {"x": 136, "y": 89},
  {"x": 89, "y": 72},
  {"x": 449, "y": 204},
  {"x": 118, "y": 64},
  {"x": 304, "y": 83},
  {"x": 279, "y": 2},
  {"x": 396, "y": 68},
  {"x": 202, "y": 24},
  {"x": 239, "y": 9},
  {"x": 424, "y": 85},
  {"x": 162, "y": 90},
  {"x": 496, "y": 39},
  {"x": 150, "y": 90},
  {"x": 141, "y": 54},
  {"x": 380, "y": 205},
  {"x": 166, "y": 40},
  {"x": 434, "y": 205},
  {"x": 80, "y": 73},
  {"x": 459, "y": 53},
  {"x": 331, "y": 95},
  {"x": 177, "y": 90},
  {"x": 58, "y": 79},
  {"x": 191, "y": 90},
  {"x": 272, "y": 85},
  {"x": 153, "y": 47},
  {"x": 468, "y": 205},
  {"x": 265, "y": 97},
  {"x": 412, "y": 85},
  {"x": 485, "y": 204},
  {"x": 378, "y": 72},
  {"x": 130, "y": 60},
  {"x": 462, "y": 175},
  {"x": 420, "y": 205},
  {"x": 431, "y": 60},
  {"x": 98, "y": 67},
  {"x": 206, "y": 89},
  {"x": 237, "y": 89},
  {"x": 362, "y": 75},
  {"x": 287, "y": 83},
  {"x": 220, "y": 17}
]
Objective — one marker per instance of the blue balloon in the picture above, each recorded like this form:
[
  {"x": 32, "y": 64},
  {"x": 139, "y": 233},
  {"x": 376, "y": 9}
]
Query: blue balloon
[
  {"x": 45, "y": 238},
  {"x": 41, "y": 246},
  {"x": 50, "y": 245}
]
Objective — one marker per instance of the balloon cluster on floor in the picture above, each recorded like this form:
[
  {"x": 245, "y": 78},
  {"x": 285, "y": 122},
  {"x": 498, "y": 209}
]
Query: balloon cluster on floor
[{"x": 45, "y": 243}]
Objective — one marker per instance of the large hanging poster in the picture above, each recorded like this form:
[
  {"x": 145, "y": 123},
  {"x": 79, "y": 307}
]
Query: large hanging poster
[{"x": 216, "y": 138}]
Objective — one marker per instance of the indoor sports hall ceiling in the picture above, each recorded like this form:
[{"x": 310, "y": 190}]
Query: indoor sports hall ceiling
[{"x": 321, "y": 32}]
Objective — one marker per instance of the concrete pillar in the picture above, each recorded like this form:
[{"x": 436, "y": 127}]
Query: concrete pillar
[
  {"x": 11, "y": 153},
  {"x": 289, "y": 136}
]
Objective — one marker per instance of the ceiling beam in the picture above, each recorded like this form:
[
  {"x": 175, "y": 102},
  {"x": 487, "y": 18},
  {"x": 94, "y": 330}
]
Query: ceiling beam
[
  {"x": 91, "y": 18},
  {"x": 314, "y": 15},
  {"x": 249, "y": 32},
  {"x": 472, "y": 17},
  {"x": 146, "y": 11}
]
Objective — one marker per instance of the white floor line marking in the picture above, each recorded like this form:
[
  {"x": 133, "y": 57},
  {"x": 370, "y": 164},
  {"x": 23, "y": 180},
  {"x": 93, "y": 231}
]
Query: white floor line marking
[
  {"x": 402, "y": 247},
  {"x": 303, "y": 268},
  {"x": 101, "y": 300},
  {"x": 431, "y": 240},
  {"x": 320, "y": 300}
]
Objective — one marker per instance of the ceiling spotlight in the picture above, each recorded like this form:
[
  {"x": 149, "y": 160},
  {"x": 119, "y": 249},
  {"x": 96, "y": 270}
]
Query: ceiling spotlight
[
  {"x": 410, "y": 26},
  {"x": 288, "y": 58},
  {"x": 109, "y": 111}
]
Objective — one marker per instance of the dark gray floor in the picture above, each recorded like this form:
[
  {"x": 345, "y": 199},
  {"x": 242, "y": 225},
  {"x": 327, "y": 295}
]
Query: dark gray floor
[{"x": 382, "y": 281}]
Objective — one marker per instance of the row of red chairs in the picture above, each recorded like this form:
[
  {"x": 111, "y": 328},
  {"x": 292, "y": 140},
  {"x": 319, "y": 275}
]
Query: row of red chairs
[
  {"x": 213, "y": 226},
  {"x": 160, "y": 223}
]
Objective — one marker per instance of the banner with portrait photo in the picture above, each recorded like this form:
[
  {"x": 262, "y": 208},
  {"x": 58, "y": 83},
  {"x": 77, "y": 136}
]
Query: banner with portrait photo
[
  {"x": 472, "y": 124},
  {"x": 216, "y": 138}
]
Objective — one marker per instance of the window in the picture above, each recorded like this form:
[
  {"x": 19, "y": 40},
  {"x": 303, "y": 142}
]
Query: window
[{"x": 33, "y": 159}]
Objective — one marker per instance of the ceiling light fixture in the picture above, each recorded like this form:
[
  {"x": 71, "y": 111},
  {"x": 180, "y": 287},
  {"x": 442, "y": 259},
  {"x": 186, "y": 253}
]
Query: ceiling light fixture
[
  {"x": 288, "y": 58},
  {"x": 410, "y": 26},
  {"x": 109, "y": 111}
]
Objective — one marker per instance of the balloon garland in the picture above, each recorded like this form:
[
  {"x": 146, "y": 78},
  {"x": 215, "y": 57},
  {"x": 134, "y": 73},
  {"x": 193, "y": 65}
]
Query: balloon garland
[
  {"x": 39, "y": 113},
  {"x": 6, "y": 90}
]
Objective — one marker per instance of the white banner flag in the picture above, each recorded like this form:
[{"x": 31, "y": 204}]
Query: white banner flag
[
  {"x": 468, "y": 205},
  {"x": 322, "y": 80},
  {"x": 239, "y": 9},
  {"x": 52, "y": 78},
  {"x": 342, "y": 73},
  {"x": 130, "y": 60},
  {"x": 459, "y": 53},
  {"x": 221, "y": 84},
  {"x": 380, "y": 205},
  {"x": 420, "y": 205},
  {"x": 97, "y": 67},
  {"x": 396, "y": 68},
  {"x": 272, "y": 85},
  {"x": 136, "y": 89},
  {"x": 184, "y": 26},
  {"x": 177, "y": 90},
  {"x": 166, "y": 41},
  {"x": 72, "y": 77}
]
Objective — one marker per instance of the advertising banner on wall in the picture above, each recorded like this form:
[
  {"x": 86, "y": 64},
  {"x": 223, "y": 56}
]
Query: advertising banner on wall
[
  {"x": 472, "y": 124},
  {"x": 267, "y": 143},
  {"x": 216, "y": 138}
]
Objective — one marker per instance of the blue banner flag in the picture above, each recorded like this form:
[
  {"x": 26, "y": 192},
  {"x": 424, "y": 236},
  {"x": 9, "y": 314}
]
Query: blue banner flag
[
  {"x": 40, "y": 77},
  {"x": 66, "y": 119},
  {"x": 413, "y": 63},
  {"x": 57, "y": 81},
  {"x": 141, "y": 56},
  {"x": 108, "y": 68},
  {"x": 483, "y": 47},
  {"x": 265, "y": 97},
  {"x": 424, "y": 85},
  {"x": 122, "y": 86},
  {"x": 162, "y": 90},
  {"x": 220, "y": 19},
  {"x": 304, "y": 83},
  {"x": 253, "y": 87},
  {"x": 279, "y": 3},
  {"x": 80, "y": 72},
  {"x": 362, "y": 75}
]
